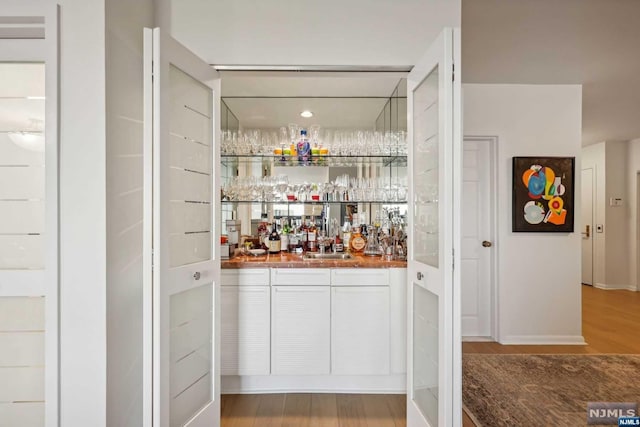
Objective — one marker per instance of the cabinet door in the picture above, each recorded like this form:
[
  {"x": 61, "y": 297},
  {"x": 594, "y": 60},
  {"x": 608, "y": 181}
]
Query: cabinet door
[
  {"x": 360, "y": 330},
  {"x": 245, "y": 330},
  {"x": 300, "y": 319}
]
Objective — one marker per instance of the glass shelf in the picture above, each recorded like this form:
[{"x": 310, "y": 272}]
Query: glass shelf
[
  {"x": 315, "y": 202},
  {"x": 326, "y": 160}
]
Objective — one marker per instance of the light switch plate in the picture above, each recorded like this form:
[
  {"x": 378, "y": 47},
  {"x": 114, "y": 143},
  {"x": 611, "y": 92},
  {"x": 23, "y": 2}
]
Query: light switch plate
[{"x": 615, "y": 202}]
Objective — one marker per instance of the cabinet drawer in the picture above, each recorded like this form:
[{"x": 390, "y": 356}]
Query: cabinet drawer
[
  {"x": 300, "y": 276},
  {"x": 359, "y": 277},
  {"x": 245, "y": 277}
]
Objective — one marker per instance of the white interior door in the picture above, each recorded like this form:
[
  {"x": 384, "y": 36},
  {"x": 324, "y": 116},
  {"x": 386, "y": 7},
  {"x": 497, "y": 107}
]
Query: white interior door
[
  {"x": 477, "y": 237},
  {"x": 435, "y": 148},
  {"x": 587, "y": 223},
  {"x": 29, "y": 232},
  {"x": 182, "y": 96}
]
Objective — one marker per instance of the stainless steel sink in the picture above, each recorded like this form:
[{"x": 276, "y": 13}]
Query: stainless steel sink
[{"x": 328, "y": 255}]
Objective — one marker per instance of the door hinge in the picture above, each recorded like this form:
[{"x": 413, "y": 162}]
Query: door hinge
[
  {"x": 453, "y": 72},
  {"x": 453, "y": 259}
]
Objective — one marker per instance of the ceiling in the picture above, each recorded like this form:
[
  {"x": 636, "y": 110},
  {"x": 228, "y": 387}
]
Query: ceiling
[
  {"x": 337, "y": 100},
  {"x": 591, "y": 42},
  {"x": 296, "y": 32},
  {"x": 588, "y": 42}
]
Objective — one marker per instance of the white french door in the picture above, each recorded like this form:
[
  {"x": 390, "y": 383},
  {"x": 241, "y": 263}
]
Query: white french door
[
  {"x": 182, "y": 99},
  {"x": 435, "y": 146},
  {"x": 29, "y": 216}
]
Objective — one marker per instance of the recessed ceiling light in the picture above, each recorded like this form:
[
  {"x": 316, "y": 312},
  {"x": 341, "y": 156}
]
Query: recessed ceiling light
[{"x": 306, "y": 114}]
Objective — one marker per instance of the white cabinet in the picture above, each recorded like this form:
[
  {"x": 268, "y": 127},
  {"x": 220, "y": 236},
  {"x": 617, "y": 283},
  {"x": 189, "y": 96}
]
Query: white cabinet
[
  {"x": 300, "y": 330},
  {"x": 360, "y": 321},
  {"x": 245, "y": 298},
  {"x": 313, "y": 329},
  {"x": 398, "y": 319},
  {"x": 360, "y": 330}
]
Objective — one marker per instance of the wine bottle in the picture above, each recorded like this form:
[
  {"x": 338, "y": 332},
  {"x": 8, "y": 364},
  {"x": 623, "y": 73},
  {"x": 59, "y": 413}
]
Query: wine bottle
[
  {"x": 284, "y": 237},
  {"x": 274, "y": 240}
]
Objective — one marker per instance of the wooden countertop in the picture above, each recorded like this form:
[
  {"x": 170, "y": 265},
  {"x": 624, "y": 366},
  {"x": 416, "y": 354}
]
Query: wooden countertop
[{"x": 287, "y": 260}]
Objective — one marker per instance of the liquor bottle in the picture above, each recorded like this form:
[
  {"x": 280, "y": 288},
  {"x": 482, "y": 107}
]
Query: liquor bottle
[
  {"x": 346, "y": 233},
  {"x": 304, "y": 148},
  {"x": 274, "y": 240},
  {"x": 304, "y": 236},
  {"x": 312, "y": 241},
  {"x": 357, "y": 242},
  {"x": 284, "y": 236},
  {"x": 338, "y": 246}
]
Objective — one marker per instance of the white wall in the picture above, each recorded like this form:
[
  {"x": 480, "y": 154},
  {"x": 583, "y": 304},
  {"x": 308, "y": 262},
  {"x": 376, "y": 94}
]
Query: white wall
[
  {"x": 612, "y": 257},
  {"x": 328, "y": 32},
  {"x": 100, "y": 211},
  {"x": 124, "y": 101},
  {"x": 82, "y": 214},
  {"x": 616, "y": 224},
  {"x": 538, "y": 274}
]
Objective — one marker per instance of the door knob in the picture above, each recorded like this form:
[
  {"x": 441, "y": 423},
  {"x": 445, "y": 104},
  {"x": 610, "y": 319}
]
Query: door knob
[
  {"x": 196, "y": 275},
  {"x": 487, "y": 244},
  {"x": 587, "y": 232},
  {"x": 420, "y": 275}
]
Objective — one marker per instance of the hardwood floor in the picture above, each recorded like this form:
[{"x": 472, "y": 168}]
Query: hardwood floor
[
  {"x": 313, "y": 410},
  {"x": 610, "y": 322}
]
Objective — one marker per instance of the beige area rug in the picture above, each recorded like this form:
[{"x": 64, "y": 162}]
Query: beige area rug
[{"x": 544, "y": 390}]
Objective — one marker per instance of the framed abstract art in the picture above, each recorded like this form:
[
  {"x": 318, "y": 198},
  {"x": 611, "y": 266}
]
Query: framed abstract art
[{"x": 543, "y": 194}]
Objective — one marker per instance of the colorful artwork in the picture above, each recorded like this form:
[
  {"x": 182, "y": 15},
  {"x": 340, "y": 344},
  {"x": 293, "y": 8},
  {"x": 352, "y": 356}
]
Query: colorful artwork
[{"x": 543, "y": 194}]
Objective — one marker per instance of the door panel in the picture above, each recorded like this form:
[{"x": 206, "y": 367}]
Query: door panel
[
  {"x": 476, "y": 259},
  {"x": 587, "y": 221},
  {"x": 29, "y": 313},
  {"x": 434, "y": 360},
  {"x": 181, "y": 102}
]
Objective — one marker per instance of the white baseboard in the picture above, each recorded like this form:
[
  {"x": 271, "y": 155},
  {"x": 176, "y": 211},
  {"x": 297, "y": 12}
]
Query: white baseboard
[
  {"x": 543, "y": 340},
  {"x": 471, "y": 338},
  {"x": 391, "y": 384},
  {"x": 615, "y": 287}
]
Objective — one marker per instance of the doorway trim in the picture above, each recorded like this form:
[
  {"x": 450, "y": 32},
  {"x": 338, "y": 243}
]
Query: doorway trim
[
  {"x": 592, "y": 223},
  {"x": 494, "y": 287}
]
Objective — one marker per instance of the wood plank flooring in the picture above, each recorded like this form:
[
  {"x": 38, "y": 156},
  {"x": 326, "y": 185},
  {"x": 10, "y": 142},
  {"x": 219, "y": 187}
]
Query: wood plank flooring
[
  {"x": 313, "y": 410},
  {"x": 610, "y": 322}
]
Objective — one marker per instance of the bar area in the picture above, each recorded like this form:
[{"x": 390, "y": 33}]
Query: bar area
[{"x": 314, "y": 246}]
